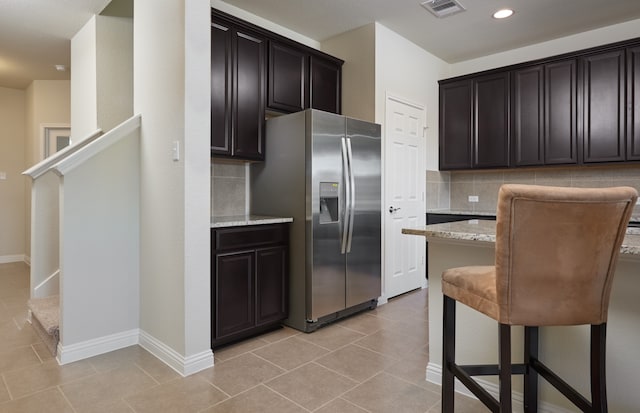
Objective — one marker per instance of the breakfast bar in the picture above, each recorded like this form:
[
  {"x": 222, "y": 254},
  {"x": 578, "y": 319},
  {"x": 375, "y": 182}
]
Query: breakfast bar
[{"x": 472, "y": 242}]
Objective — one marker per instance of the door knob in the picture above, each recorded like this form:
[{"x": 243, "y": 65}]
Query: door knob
[{"x": 392, "y": 209}]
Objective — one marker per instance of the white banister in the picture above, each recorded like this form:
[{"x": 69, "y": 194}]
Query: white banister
[
  {"x": 44, "y": 166},
  {"x": 75, "y": 159}
]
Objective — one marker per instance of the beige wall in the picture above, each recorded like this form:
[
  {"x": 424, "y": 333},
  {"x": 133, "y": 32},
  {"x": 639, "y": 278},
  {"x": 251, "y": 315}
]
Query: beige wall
[
  {"x": 12, "y": 163},
  {"x": 48, "y": 103},
  {"x": 357, "y": 49}
]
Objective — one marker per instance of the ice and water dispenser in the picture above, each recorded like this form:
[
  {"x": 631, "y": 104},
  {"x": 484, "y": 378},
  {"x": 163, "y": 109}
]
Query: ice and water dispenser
[{"x": 329, "y": 202}]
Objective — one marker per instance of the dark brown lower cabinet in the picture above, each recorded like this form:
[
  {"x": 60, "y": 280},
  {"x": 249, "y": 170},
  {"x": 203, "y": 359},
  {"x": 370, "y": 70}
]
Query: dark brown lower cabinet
[{"x": 249, "y": 268}]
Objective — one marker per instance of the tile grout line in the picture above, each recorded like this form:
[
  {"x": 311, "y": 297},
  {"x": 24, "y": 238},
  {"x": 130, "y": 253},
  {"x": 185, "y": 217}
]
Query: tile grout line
[
  {"x": 6, "y": 386},
  {"x": 64, "y": 396}
]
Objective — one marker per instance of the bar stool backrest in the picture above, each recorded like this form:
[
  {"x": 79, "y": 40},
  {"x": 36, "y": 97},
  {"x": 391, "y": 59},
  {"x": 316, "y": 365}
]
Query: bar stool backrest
[{"x": 556, "y": 252}]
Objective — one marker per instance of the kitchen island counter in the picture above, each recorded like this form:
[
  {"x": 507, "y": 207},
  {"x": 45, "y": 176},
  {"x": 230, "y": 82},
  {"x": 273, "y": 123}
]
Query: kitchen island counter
[
  {"x": 485, "y": 230},
  {"x": 564, "y": 349}
]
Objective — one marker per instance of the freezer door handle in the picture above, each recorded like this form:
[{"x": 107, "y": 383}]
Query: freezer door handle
[
  {"x": 352, "y": 194},
  {"x": 347, "y": 194}
]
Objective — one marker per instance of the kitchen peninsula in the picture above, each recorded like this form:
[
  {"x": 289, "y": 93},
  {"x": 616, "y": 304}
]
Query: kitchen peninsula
[{"x": 472, "y": 242}]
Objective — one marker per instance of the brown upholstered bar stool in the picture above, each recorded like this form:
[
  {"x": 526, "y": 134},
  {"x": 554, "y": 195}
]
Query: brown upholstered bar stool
[{"x": 556, "y": 252}]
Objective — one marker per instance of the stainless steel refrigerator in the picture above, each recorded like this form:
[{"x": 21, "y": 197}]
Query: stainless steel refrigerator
[{"x": 323, "y": 170}]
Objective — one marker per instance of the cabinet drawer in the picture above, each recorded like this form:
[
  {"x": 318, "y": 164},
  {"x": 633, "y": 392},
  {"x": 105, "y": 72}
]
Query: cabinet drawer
[{"x": 250, "y": 236}]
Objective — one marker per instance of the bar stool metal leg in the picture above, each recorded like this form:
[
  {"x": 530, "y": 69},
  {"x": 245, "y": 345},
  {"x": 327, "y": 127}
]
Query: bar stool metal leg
[
  {"x": 504, "y": 367},
  {"x": 448, "y": 353},
  {"x": 598, "y": 376},
  {"x": 530, "y": 375}
]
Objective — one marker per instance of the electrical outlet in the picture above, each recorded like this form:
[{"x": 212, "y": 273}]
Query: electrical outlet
[
  {"x": 3, "y": 175},
  {"x": 474, "y": 198}
]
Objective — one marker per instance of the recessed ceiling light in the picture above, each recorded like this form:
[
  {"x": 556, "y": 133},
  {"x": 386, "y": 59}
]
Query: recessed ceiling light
[
  {"x": 503, "y": 14},
  {"x": 61, "y": 68}
]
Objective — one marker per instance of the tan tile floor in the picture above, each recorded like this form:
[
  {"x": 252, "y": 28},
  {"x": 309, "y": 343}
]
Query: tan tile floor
[{"x": 371, "y": 362}]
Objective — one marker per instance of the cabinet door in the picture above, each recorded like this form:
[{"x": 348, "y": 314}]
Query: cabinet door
[
  {"x": 560, "y": 137},
  {"x": 288, "y": 78},
  {"x": 633, "y": 104},
  {"x": 325, "y": 88},
  {"x": 455, "y": 125},
  {"x": 221, "y": 87},
  {"x": 604, "y": 107},
  {"x": 491, "y": 132},
  {"x": 249, "y": 96},
  {"x": 527, "y": 130},
  {"x": 233, "y": 293},
  {"x": 271, "y": 284}
]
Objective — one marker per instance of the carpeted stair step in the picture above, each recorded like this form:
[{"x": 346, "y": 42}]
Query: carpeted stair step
[{"x": 45, "y": 318}]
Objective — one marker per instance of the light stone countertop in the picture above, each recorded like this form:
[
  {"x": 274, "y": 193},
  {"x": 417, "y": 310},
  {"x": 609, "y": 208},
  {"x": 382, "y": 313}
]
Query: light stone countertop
[
  {"x": 485, "y": 230},
  {"x": 244, "y": 220},
  {"x": 635, "y": 217}
]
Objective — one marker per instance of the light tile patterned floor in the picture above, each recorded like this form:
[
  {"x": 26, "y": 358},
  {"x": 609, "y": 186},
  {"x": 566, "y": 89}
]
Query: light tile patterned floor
[{"x": 372, "y": 362}]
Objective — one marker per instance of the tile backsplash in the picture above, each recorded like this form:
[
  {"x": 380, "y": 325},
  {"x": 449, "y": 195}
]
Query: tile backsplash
[
  {"x": 228, "y": 188},
  {"x": 451, "y": 190}
]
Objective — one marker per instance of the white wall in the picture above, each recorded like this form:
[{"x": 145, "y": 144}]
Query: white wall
[
  {"x": 171, "y": 78},
  {"x": 12, "y": 162},
  {"x": 114, "y": 68},
  {"x": 84, "y": 81},
  {"x": 406, "y": 71}
]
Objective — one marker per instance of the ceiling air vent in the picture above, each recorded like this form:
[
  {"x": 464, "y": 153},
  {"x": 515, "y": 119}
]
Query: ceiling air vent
[{"x": 443, "y": 8}]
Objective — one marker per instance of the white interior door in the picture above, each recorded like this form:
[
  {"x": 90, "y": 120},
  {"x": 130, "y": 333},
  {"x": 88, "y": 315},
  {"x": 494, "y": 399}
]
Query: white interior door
[{"x": 404, "y": 204}]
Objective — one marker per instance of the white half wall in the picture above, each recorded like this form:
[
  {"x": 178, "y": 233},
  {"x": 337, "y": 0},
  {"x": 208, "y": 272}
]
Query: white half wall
[{"x": 100, "y": 245}]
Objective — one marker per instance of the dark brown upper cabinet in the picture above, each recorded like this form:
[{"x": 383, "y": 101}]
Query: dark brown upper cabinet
[
  {"x": 527, "y": 125},
  {"x": 456, "y": 120},
  {"x": 474, "y": 123},
  {"x": 254, "y": 70},
  {"x": 560, "y": 113},
  {"x": 604, "y": 107},
  {"x": 288, "y": 78},
  {"x": 633, "y": 104},
  {"x": 326, "y": 84},
  {"x": 238, "y": 91},
  {"x": 544, "y": 114},
  {"x": 573, "y": 109},
  {"x": 301, "y": 79},
  {"x": 491, "y": 121}
]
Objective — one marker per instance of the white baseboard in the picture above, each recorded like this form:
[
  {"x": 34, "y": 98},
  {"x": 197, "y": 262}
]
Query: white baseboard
[
  {"x": 434, "y": 375},
  {"x": 185, "y": 366},
  {"x": 80, "y": 351},
  {"x": 6, "y": 259}
]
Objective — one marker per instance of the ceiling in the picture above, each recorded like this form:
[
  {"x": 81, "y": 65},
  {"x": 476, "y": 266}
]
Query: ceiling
[
  {"x": 35, "y": 34},
  {"x": 467, "y": 35}
]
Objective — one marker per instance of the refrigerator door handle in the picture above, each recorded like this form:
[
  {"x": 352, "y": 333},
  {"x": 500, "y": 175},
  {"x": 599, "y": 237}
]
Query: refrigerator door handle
[
  {"x": 352, "y": 194},
  {"x": 347, "y": 194}
]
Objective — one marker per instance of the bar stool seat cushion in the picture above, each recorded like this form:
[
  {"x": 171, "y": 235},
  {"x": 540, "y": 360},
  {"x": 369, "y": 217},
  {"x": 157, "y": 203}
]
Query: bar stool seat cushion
[{"x": 474, "y": 286}]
